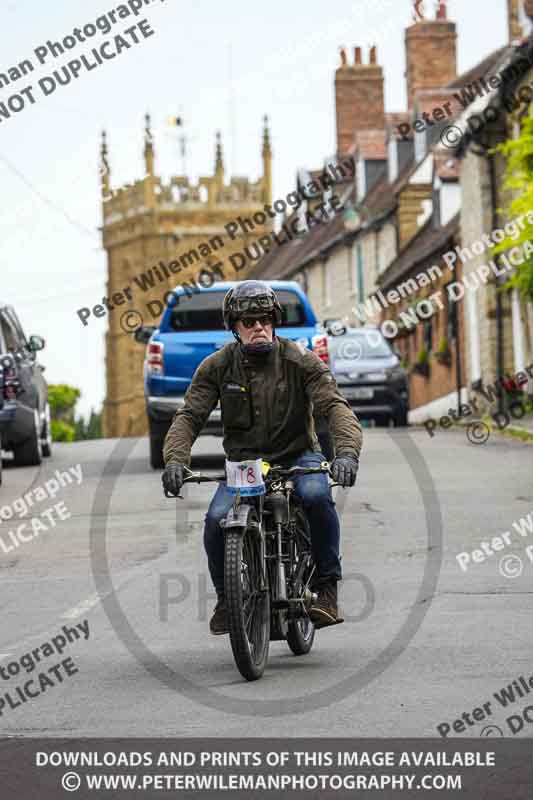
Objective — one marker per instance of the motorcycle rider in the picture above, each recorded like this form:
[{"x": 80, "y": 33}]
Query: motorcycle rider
[{"x": 268, "y": 387}]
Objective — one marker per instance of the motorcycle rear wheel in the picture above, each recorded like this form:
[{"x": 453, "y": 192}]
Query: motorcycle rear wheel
[{"x": 301, "y": 632}]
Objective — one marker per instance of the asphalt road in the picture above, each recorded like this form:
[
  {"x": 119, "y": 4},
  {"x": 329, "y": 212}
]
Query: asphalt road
[{"x": 424, "y": 641}]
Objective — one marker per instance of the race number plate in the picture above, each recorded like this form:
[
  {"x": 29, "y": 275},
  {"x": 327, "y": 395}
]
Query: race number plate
[{"x": 246, "y": 476}]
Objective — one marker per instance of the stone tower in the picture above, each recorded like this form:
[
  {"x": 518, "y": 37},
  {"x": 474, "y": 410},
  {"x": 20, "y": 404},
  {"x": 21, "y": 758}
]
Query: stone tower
[{"x": 148, "y": 225}]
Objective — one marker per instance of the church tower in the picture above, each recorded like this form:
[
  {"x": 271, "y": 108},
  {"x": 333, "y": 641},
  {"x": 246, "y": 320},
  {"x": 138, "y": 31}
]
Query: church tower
[{"x": 149, "y": 223}]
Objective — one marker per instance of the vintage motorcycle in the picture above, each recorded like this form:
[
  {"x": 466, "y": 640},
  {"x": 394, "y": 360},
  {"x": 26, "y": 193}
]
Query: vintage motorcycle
[{"x": 269, "y": 565}]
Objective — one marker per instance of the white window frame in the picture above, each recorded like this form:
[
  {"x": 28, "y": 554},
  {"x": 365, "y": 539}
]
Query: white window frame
[
  {"x": 420, "y": 146},
  {"x": 361, "y": 179},
  {"x": 393, "y": 159}
]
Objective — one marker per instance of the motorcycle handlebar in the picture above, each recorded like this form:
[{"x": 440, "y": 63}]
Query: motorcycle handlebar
[{"x": 279, "y": 472}]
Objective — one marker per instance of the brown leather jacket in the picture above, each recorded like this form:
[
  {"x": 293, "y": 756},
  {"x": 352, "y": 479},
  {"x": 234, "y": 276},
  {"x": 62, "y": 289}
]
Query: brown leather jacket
[{"x": 267, "y": 405}]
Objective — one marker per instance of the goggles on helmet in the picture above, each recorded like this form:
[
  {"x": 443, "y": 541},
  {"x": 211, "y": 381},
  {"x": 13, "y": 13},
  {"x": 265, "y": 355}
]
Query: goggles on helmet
[{"x": 257, "y": 303}]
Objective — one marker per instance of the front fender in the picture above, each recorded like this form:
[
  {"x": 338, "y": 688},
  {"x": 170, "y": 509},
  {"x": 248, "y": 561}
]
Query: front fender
[{"x": 237, "y": 521}]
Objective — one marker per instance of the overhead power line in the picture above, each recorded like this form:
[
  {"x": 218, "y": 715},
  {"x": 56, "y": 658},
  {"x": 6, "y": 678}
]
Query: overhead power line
[{"x": 47, "y": 201}]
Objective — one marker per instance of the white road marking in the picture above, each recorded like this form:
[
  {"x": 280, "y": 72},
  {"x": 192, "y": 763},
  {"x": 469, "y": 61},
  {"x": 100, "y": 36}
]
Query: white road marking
[
  {"x": 83, "y": 607},
  {"x": 87, "y": 604}
]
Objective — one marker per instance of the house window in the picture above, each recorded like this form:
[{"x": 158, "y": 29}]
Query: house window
[{"x": 453, "y": 317}]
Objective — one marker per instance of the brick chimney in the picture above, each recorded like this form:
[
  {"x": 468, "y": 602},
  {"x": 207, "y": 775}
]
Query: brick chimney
[
  {"x": 359, "y": 99},
  {"x": 431, "y": 51},
  {"x": 513, "y": 20}
]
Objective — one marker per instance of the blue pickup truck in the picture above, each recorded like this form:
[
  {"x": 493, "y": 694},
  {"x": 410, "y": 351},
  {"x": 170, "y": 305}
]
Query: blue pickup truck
[{"x": 192, "y": 329}]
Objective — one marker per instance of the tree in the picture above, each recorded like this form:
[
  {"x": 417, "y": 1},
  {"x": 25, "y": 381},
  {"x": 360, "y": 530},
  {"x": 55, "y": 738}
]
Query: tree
[
  {"x": 62, "y": 431},
  {"x": 90, "y": 429},
  {"x": 62, "y": 399},
  {"x": 519, "y": 179},
  {"x": 66, "y": 427}
]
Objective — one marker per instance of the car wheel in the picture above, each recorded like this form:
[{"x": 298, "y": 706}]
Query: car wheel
[
  {"x": 158, "y": 431},
  {"x": 30, "y": 452},
  {"x": 47, "y": 433}
]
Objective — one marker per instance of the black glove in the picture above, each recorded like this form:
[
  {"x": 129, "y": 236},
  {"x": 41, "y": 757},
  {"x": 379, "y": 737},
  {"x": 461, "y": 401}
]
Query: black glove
[
  {"x": 344, "y": 470},
  {"x": 172, "y": 478}
]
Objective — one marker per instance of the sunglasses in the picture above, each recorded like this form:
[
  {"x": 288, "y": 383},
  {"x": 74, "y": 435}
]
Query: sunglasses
[{"x": 264, "y": 320}]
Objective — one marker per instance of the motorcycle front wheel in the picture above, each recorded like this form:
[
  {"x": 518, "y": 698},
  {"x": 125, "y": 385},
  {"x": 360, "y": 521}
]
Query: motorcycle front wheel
[{"x": 247, "y": 602}]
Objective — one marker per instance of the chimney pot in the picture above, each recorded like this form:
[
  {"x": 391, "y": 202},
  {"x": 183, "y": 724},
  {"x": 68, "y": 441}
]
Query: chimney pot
[
  {"x": 344, "y": 57},
  {"x": 418, "y": 10},
  {"x": 513, "y": 16},
  {"x": 373, "y": 55},
  {"x": 358, "y": 55},
  {"x": 431, "y": 54}
]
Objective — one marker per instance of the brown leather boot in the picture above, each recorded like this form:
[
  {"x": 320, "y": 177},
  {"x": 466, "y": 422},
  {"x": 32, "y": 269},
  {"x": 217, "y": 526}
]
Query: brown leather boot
[
  {"x": 218, "y": 624},
  {"x": 324, "y": 610}
]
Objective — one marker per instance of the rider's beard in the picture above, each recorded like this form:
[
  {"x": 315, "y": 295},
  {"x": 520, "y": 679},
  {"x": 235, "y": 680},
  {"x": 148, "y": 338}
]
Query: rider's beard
[{"x": 259, "y": 348}]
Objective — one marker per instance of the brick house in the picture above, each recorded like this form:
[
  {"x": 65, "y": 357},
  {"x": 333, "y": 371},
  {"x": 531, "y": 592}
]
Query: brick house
[
  {"x": 340, "y": 266},
  {"x": 499, "y": 323},
  {"x": 418, "y": 195}
]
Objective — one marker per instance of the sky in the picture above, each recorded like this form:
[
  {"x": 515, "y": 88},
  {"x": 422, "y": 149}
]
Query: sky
[{"x": 220, "y": 66}]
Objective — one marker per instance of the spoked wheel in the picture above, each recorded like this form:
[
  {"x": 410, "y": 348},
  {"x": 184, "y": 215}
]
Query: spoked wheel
[
  {"x": 247, "y": 604},
  {"x": 301, "y": 631}
]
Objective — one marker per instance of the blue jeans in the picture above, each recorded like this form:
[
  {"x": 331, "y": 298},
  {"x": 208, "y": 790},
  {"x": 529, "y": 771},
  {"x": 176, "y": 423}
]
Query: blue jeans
[{"x": 315, "y": 495}]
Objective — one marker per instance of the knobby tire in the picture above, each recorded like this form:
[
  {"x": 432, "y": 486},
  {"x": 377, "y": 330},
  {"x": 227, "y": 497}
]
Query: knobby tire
[{"x": 248, "y": 611}]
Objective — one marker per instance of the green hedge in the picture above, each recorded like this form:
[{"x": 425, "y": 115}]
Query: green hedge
[{"x": 62, "y": 431}]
